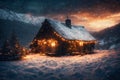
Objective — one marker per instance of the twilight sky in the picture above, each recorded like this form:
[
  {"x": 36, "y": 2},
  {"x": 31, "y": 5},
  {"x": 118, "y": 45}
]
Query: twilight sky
[{"x": 95, "y": 15}]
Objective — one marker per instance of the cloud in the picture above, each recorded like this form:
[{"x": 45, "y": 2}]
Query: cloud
[
  {"x": 41, "y": 7},
  {"x": 94, "y": 14}
]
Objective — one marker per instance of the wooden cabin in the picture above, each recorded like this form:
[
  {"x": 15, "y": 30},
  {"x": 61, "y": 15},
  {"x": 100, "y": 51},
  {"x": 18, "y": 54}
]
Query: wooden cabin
[{"x": 56, "y": 38}]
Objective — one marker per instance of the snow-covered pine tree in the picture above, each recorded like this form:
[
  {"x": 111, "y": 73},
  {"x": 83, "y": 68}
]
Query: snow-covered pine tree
[
  {"x": 11, "y": 49},
  {"x": 16, "y": 45},
  {"x": 16, "y": 50},
  {"x": 35, "y": 47},
  {"x": 6, "y": 48},
  {"x": 5, "y": 51}
]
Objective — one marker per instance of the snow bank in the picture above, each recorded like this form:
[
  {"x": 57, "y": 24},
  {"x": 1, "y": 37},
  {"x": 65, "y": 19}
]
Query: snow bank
[{"x": 101, "y": 66}]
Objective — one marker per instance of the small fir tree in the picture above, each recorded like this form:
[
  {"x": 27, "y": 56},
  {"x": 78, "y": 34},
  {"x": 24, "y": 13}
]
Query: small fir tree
[
  {"x": 6, "y": 48},
  {"x": 12, "y": 49},
  {"x": 16, "y": 48}
]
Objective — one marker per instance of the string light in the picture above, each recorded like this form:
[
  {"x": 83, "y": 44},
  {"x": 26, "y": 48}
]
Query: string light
[
  {"x": 53, "y": 44},
  {"x": 49, "y": 42},
  {"x": 73, "y": 45}
]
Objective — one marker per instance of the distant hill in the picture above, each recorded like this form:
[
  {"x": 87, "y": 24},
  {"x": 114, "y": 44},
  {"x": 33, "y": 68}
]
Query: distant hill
[{"x": 109, "y": 38}]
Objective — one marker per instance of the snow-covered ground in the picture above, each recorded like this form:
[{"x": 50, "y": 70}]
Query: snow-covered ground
[{"x": 103, "y": 65}]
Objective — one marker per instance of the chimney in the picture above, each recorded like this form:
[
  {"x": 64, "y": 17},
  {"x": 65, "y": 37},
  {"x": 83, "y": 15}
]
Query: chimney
[{"x": 68, "y": 22}]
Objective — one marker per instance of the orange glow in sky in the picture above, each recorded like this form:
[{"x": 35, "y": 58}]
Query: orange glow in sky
[
  {"x": 91, "y": 21},
  {"x": 96, "y": 23}
]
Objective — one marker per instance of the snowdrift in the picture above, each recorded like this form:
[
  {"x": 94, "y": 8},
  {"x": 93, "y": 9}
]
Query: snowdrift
[{"x": 105, "y": 65}]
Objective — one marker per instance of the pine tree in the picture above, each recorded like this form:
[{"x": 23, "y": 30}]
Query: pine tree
[
  {"x": 17, "y": 49},
  {"x": 15, "y": 43},
  {"x": 5, "y": 51},
  {"x": 6, "y": 48},
  {"x": 12, "y": 49},
  {"x": 34, "y": 46}
]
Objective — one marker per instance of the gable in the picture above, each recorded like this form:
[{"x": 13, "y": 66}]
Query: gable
[{"x": 46, "y": 31}]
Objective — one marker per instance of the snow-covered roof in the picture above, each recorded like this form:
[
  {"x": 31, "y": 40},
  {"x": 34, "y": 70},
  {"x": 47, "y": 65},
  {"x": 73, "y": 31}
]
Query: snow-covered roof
[{"x": 73, "y": 33}]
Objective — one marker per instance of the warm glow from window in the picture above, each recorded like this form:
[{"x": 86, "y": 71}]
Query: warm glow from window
[
  {"x": 81, "y": 43},
  {"x": 49, "y": 42},
  {"x": 53, "y": 44},
  {"x": 44, "y": 42}
]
